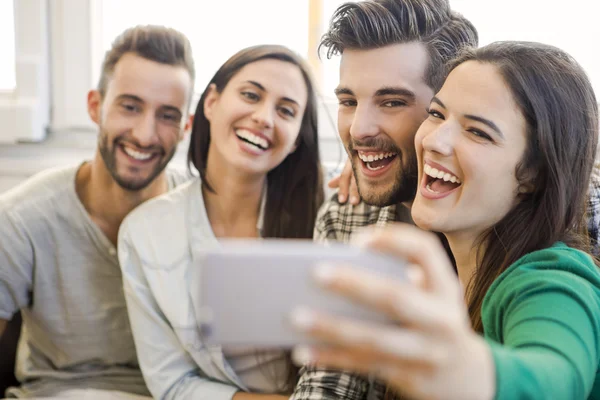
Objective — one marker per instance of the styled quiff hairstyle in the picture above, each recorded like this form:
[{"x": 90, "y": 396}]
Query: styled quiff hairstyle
[
  {"x": 152, "y": 42},
  {"x": 373, "y": 24}
]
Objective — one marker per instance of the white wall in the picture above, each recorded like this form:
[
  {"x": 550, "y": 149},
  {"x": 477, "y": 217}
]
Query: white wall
[
  {"x": 25, "y": 112},
  {"x": 71, "y": 61}
]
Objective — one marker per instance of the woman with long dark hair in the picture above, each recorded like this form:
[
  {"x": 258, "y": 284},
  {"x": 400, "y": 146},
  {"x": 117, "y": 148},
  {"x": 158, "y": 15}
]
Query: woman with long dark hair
[
  {"x": 254, "y": 144},
  {"x": 505, "y": 159}
]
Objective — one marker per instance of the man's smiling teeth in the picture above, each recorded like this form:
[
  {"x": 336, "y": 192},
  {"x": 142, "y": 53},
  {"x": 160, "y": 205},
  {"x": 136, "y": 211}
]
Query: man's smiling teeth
[
  {"x": 435, "y": 173},
  {"x": 138, "y": 155},
  {"x": 252, "y": 138},
  {"x": 371, "y": 157}
]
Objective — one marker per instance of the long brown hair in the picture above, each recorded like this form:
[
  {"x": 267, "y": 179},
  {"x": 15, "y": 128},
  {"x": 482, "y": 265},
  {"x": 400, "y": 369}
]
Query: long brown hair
[
  {"x": 558, "y": 103},
  {"x": 295, "y": 188}
]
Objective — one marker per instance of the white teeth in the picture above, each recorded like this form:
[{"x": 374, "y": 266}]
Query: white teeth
[
  {"x": 374, "y": 169},
  {"x": 438, "y": 174},
  {"x": 376, "y": 157},
  {"x": 430, "y": 189},
  {"x": 251, "y": 137},
  {"x": 138, "y": 155}
]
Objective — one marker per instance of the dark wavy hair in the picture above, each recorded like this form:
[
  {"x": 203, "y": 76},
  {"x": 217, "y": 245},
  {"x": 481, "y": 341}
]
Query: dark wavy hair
[
  {"x": 559, "y": 106},
  {"x": 373, "y": 24}
]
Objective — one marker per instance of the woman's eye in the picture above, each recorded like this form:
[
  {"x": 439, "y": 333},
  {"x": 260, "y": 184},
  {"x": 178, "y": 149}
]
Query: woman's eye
[
  {"x": 287, "y": 111},
  {"x": 480, "y": 134},
  {"x": 435, "y": 114},
  {"x": 250, "y": 95}
]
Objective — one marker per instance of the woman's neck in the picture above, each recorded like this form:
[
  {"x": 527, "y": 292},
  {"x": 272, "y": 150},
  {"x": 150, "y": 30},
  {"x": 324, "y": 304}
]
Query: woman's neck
[
  {"x": 233, "y": 207},
  {"x": 465, "y": 251}
]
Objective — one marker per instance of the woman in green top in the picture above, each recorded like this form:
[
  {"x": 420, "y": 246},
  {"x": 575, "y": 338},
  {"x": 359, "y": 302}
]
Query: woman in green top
[{"x": 504, "y": 163}]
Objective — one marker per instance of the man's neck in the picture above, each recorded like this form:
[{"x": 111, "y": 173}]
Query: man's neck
[{"x": 106, "y": 202}]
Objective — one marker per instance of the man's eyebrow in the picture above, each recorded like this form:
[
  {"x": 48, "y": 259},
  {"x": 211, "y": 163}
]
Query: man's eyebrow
[
  {"x": 172, "y": 108},
  {"x": 132, "y": 97},
  {"x": 342, "y": 90},
  {"x": 138, "y": 99},
  {"x": 396, "y": 91}
]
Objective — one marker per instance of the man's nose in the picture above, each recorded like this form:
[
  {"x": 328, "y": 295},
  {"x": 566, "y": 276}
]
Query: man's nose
[
  {"x": 364, "y": 123},
  {"x": 144, "y": 131}
]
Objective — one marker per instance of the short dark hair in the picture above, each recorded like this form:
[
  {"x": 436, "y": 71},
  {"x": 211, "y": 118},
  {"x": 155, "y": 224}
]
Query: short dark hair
[
  {"x": 152, "y": 42},
  {"x": 373, "y": 24}
]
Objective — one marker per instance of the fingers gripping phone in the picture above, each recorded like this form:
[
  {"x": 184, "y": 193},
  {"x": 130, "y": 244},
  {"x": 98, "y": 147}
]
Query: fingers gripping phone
[{"x": 249, "y": 288}]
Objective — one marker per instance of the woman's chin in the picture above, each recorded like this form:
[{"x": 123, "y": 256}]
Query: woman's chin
[{"x": 426, "y": 219}]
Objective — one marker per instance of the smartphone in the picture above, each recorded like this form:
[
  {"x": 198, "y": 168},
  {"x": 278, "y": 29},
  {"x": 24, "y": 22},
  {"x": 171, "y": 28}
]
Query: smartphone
[{"x": 249, "y": 288}]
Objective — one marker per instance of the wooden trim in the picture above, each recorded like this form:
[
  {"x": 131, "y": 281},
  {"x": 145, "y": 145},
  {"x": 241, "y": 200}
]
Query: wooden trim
[{"x": 315, "y": 22}]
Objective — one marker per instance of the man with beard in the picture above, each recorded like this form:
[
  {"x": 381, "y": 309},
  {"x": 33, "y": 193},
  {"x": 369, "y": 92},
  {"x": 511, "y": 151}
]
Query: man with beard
[
  {"x": 393, "y": 60},
  {"x": 393, "y": 57},
  {"x": 58, "y": 230}
]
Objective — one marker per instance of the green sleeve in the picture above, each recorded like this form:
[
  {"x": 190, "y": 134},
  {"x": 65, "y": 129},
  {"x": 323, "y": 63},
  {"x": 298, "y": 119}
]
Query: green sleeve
[{"x": 541, "y": 321}]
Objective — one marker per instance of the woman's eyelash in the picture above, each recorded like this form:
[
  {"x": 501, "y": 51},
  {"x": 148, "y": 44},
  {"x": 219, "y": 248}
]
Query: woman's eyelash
[
  {"x": 250, "y": 95},
  {"x": 480, "y": 134},
  {"x": 435, "y": 114}
]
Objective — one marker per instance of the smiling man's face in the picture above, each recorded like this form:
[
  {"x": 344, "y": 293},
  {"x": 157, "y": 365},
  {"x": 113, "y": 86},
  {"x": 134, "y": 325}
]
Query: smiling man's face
[
  {"x": 383, "y": 98},
  {"x": 142, "y": 117}
]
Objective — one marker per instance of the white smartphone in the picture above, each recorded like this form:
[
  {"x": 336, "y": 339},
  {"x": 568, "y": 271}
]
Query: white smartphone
[{"x": 249, "y": 288}]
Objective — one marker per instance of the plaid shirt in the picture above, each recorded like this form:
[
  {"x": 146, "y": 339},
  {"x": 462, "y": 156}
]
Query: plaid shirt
[
  {"x": 338, "y": 222},
  {"x": 593, "y": 210}
]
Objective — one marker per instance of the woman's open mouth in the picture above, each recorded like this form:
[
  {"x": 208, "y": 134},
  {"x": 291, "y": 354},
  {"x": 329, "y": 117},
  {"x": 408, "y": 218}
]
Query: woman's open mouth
[{"x": 438, "y": 183}]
